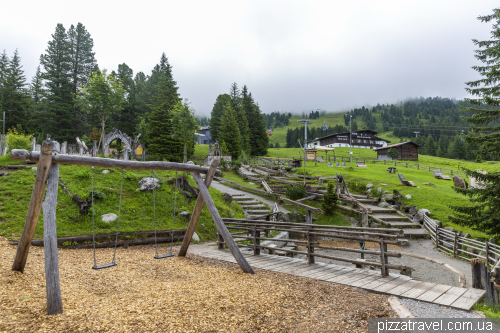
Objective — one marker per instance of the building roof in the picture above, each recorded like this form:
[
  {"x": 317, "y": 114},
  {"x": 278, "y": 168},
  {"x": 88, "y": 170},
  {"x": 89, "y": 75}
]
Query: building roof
[
  {"x": 205, "y": 128},
  {"x": 399, "y": 144}
]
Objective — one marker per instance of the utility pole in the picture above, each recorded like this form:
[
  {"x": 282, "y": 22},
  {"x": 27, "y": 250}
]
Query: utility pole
[
  {"x": 416, "y": 133},
  {"x": 305, "y": 121},
  {"x": 350, "y": 138}
]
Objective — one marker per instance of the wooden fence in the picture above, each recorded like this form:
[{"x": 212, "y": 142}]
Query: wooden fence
[
  {"x": 459, "y": 246},
  {"x": 382, "y": 236},
  {"x": 287, "y": 163}
]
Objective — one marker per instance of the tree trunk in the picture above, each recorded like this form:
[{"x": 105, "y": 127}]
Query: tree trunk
[{"x": 185, "y": 153}]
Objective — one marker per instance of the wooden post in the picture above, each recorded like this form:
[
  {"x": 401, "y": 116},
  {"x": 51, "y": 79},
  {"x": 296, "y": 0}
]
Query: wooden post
[
  {"x": 464, "y": 244},
  {"x": 438, "y": 226},
  {"x": 487, "y": 250},
  {"x": 418, "y": 166},
  {"x": 476, "y": 267},
  {"x": 256, "y": 241},
  {"x": 53, "y": 289},
  {"x": 220, "y": 242},
  {"x": 383, "y": 259},
  {"x": 310, "y": 247},
  {"x": 429, "y": 168},
  {"x": 455, "y": 246},
  {"x": 42, "y": 174},
  {"x": 407, "y": 164},
  {"x": 197, "y": 210},
  {"x": 309, "y": 219},
  {"x": 220, "y": 225}
]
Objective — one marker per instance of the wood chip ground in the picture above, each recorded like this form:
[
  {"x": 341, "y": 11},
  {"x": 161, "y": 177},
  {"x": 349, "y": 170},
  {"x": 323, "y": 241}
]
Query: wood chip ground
[{"x": 191, "y": 294}]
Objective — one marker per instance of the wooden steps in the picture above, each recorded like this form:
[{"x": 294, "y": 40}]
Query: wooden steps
[
  {"x": 261, "y": 212},
  {"x": 416, "y": 233},
  {"x": 404, "y": 225},
  {"x": 253, "y": 202},
  {"x": 253, "y": 206},
  {"x": 238, "y": 198},
  {"x": 399, "y": 285},
  {"x": 392, "y": 217},
  {"x": 376, "y": 209}
]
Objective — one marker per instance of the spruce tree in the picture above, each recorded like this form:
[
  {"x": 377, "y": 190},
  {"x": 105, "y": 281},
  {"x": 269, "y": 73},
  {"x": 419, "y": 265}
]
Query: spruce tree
[
  {"x": 259, "y": 141},
  {"x": 229, "y": 132},
  {"x": 126, "y": 119},
  {"x": 56, "y": 62},
  {"x": 482, "y": 214},
  {"x": 37, "y": 92},
  {"x": 430, "y": 146},
  {"x": 216, "y": 116},
  {"x": 241, "y": 117},
  {"x": 4, "y": 63},
  {"x": 161, "y": 142},
  {"x": 15, "y": 96}
]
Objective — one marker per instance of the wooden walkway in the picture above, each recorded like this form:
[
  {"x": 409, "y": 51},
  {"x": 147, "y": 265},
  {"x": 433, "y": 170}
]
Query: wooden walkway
[{"x": 397, "y": 285}]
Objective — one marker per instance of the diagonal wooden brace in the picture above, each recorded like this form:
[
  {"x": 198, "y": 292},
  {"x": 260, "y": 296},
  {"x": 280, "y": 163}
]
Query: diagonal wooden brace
[
  {"x": 221, "y": 228},
  {"x": 197, "y": 209},
  {"x": 42, "y": 174}
]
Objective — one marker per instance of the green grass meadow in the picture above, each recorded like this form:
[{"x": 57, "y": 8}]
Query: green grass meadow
[{"x": 136, "y": 211}]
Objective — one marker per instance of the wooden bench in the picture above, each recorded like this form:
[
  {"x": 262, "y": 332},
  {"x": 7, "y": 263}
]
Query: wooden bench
[
  {"x": 361, "y": 164},
  {"x": 391, "y": 170},
  {"x": 439, "y": 175},
  {"x": 405, "y": 182},
  {"x": 282, "y": 251},
  {"x": 344, "y": 164}
]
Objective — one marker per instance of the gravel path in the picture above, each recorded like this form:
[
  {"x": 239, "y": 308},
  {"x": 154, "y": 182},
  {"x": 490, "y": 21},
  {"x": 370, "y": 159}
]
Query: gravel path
[
  {"x": 230, "y": 190},
  {"x": 429, "y": 310}
]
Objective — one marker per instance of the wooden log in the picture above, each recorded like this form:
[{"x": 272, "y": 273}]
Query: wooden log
[
  {"x": 21, "y": 154},
  {"x": 298, "y": 204},
  {"x": 310, "y": 247},
  {"x": 132, "y": 242},
  {"x": 42, "y": 174},
  {"x": 197, "y": 209},
  {"x": 311, "y": 197},
  {"x": 347, "y": 249},
  {"x": 383, "y": 259},
  {"x": 52, "y": 285},
  {"x": 358, "y": 262},
  {"x": 233, "y": 184},
  {"x": 77, "y": 239},
  {"x": 245, "y": 266}
]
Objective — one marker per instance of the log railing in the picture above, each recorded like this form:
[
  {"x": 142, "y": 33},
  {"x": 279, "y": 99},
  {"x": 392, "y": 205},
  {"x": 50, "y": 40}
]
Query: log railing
[
  {"x": 464, "y": 247},
  {"x": 312, "y": 232}
]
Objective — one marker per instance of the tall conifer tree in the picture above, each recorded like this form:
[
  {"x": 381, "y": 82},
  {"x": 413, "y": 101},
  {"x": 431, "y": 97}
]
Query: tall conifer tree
[
  {"x": 161, "y": 142},
  {"x": 56, "y": 62},
  {"x": 216, "y": 116},
  {"x": 482, "y": 214},
  {"x": 259, "y": 141},
  {"x": 229, "y": 132},
  {"x": 240, "y": 117}
]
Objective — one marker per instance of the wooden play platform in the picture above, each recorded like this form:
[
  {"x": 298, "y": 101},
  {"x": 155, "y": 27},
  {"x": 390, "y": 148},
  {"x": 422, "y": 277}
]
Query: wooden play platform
[{"x": 397, "y": 285}]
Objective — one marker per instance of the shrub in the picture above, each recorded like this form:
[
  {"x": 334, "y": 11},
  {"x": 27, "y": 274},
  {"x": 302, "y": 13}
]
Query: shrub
[
  {"x": 357, "y": 187},
  {"x": 235, "y": 165},
  {"x": 479, "y": 158},
  {"x": 16, "y": 139},
  {"x": 224, "y": 165},
  {"x": 329, "y": 202},
  {"x": 376, "y": 192},
  {"x": 98, "y": 195},
  {"x": 130, "y": 175},
  {"x": 296, "y": 192},
  {"x": 84, "y": 174}
]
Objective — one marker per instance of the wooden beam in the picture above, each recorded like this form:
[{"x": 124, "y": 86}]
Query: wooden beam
[
  {"x": 42, "y": 174},
  {"x": 245, "y": 266},
  {"x": 21, "y": 154},
  {"x": 298, "y": 204},
  {"x": 52, "y": 286},
  {"x": 197, "y": 209}
]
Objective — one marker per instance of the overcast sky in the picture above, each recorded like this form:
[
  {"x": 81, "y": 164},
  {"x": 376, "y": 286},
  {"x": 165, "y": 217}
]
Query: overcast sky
[{"x": 293, "y": 55}]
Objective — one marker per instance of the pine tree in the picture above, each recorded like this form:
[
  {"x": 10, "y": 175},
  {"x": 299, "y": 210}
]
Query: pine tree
[
  {"x": 229, "y": 132},
  {"x": 430, "y": 146},
  {"x": 83, "y": 64},
  {"x": 37, "y": 92},
  {"x": 241, "y": 117},
  {"x": 259, "y": 141},
  {"x": 15, "y": 96},
  {"x": 329, "y": 202},
  {"x": 126, "y": 119},
  {"x": 56, "y": 62},
  {"x": 216, "y": 116},
  {"x": 4, "y": 63},
  {"x": 482, "y": 214},
  {"x": 161, "y": 142}
]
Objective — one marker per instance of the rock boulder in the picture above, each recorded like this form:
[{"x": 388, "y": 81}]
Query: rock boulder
[
  {"x": 108, "y": 218},
  {"x": 148, "y": 184},
  {"x": 459, "y": 182}
]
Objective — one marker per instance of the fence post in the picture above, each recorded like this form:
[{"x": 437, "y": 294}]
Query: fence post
[
  {"x": 220, "y": 240},
  {"x": 385, "y": 162},
  {"x": 407, "y": 164},
  {"x": 256, "y": 240},
  {"x": 451, "y": 172},
  {"x": 310, "y": 247},
  {"x": 429, "y": 168},
  {"x": 418, "y": 166},
  {"x": 383, "y": 259},
  {"x": 487, "y": 250},
  {"x": 455, "y": 246},
  {"x": 438, "y": 226}
]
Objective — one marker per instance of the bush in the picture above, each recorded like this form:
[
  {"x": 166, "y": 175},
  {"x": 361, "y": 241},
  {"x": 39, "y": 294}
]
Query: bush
[
  {"x": 235, "y": 165},
  {"x": 329, "y": 202},
  {"x": 98, "y": 195},
  {"x": 357, "y": 187},
  {"x": 130, "y": 175},
  {"x": 16, "y": 139},
  {"x": 295, "y": 192},
  {"x": 224, "y": 165},
  {"x": 376, "y": 192},
  {"x": 83, "y": 174},
  {"x": 392, "y": 153},
  {"x": 479, "y": 158}
]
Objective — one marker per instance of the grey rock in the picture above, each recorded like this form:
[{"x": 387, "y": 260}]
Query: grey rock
[
  {"x": 397, "y": 194},
  {"x": 406, "y": 209},
  {"x": 385, "y": 192},
  {"x": 369, "y": 190},
  {"x": 399, "y": 204},
  {"x": 368, "y": 186},
  {"x": 284, "y": 217},
  {"x": 404, "y": 242},
  {"x": 459, "y": 182},
  {"x": 379, "y": 189},
  {"x": 413, "y": 210},
  {"x": 33, "y": 168},
  {"x": 105, "y": 171},
  {"x": 393, "y": 207},
  {"x": 296, "y": 217},
  {"x": 374, "y": 225},
  {"x": 388, "y": 197},
  {"x": 408, "y": 196},
  {"x": 148, "y": 184},
  {"x": 228, "y": 197},
  {"x": 195, "y": 237},
  {"x": 354, "y": 221},
  {"x": 419, "y": 216},
  {"x": 450, "y": 229},
  {"x": 231, "y": 214},
  {"x": 185, "y": 213},
  {"x": 472, "y": 250},
  {"x": 108, "y": 218},
  {"x": 383, "y": 204}
]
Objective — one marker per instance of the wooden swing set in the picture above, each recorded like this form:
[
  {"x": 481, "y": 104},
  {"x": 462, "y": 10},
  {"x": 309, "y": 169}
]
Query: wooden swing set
[{"x": 47, "y": 176}]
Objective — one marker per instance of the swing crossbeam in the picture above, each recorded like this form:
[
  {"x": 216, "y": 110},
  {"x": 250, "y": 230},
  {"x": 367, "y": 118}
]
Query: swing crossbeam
[{"x": 47, "y": 158}]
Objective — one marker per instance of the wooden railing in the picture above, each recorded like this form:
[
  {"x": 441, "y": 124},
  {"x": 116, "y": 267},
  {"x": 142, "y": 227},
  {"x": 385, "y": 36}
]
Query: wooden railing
[
  {"x": 382, "y": 236},
  {"x": 459, "y": 246}
]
